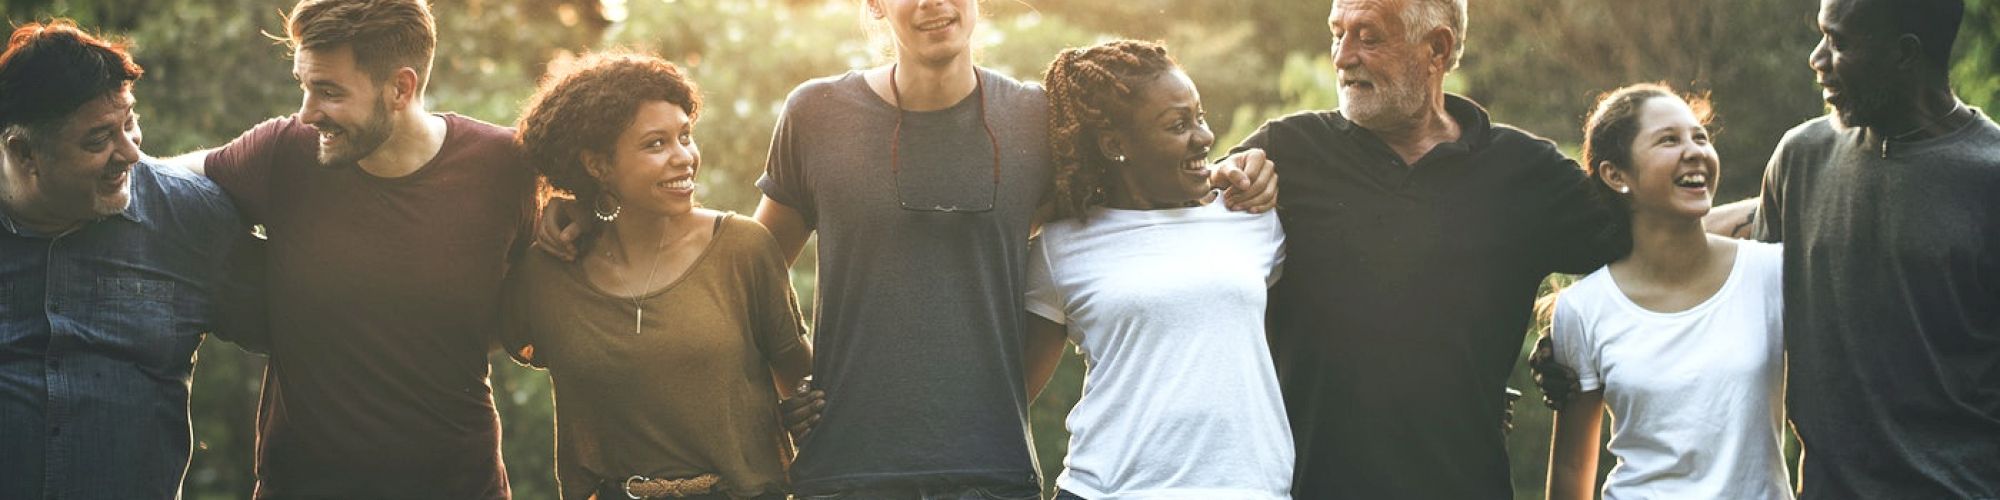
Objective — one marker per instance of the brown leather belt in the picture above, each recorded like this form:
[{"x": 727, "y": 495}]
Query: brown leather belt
[{"x": 642, "y": 487}]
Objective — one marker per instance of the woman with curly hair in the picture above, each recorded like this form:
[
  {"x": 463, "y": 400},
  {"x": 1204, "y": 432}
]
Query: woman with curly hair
[
  {"x": 1161, "y": 287},
  {"x": 669, "y": 339},
  {"x": 1679, "y": 337}
]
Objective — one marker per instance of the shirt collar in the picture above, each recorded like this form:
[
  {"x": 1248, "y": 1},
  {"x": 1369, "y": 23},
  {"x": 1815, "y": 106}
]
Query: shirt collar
[{"x": 1473, "y": 121}]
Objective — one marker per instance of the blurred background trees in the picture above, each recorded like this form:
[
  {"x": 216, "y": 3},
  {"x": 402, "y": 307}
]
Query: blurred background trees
[{"x": 212, "y": 72}]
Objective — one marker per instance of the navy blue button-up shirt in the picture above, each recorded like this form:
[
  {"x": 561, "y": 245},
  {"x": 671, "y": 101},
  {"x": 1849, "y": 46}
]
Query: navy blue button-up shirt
[{"x": 98, "y": 328}]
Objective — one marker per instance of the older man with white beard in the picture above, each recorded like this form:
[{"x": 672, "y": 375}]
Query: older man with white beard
[{"x": 1418, "y": 232}]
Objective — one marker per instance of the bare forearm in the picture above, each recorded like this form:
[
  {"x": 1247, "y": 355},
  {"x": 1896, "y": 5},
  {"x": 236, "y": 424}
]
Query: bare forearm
[
  {"x": 193, "y": 161},
  {"x": 1573, "y": 452},
  {"x": 1735, "y": 220},
  {"x": 791, "y": 368},
  {"x": 1043, "y": 350},
  {"x": 787, "y": 225}
]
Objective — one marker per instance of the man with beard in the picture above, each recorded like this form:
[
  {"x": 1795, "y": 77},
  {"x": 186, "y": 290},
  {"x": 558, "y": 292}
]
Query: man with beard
[
  {"x": 1418, "y": 232},
  {"x": 1890, "y": 213},
  {"x": 111, "y": 267},
  {"x": 391, "y": 228}
]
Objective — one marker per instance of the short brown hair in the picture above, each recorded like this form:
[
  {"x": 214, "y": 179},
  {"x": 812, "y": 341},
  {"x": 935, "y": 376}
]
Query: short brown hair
[
  {"x": 384, "y": 34},
  {"x": 584, "y": 105},
  {"x": 49, "y": 70}
]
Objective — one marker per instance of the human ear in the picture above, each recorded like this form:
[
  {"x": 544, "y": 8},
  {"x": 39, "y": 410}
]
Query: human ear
[
  {"x": 1109, "y": 145},
  {"x": 21, "y": 150},
  {"x": 1441, "y": 41},
  {"x": 596, "y": 165},
  {"x": 402, "y": 88},
  {"x": 1909, "y": 51},
  {"x": 1613, "y": 177}
]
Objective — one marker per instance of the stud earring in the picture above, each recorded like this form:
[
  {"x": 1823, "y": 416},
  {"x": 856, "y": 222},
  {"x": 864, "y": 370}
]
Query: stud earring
[
  {"x": 1625, "y": 189},
  {"x": 1119, "y": 158}
]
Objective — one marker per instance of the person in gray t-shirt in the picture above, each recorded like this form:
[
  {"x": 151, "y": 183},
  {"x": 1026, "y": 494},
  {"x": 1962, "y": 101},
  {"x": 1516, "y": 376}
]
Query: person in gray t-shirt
[
  {"x": 922, "y": 179},
  {"x": 1890, "y": 215},
  {"x": 918, "y": 308}
]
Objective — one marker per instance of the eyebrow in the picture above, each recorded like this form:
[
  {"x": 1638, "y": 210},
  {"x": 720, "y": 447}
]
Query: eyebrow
[
  {"x": 1177, "y": 108},
  {"x": 1674, "y": 128},
  {"x": 113, "y": 127},
  {"x": 669, "y": 131},
  {"x": 321, "y": 82}
]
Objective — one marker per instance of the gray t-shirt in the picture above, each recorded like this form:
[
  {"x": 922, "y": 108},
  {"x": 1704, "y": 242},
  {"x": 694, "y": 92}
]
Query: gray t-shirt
[
  {"x": 1892, "y": 308},
  {"x": 919, "y": 320}
]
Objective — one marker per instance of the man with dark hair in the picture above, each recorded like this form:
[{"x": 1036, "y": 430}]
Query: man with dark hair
[
  {"x": 391, "y": 229},
  {"x": 1890, "y": 214},
  {"x": 110, "y": 270}
]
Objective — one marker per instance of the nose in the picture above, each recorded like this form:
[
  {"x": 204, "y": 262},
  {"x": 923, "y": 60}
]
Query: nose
[
  {"x": 1344, "y": 57},
  {"x": 684, "y": 158},
  {"x": 309, "y": 109},
  {"x": 1204, "y": 139},
  {"x": 1821, "y": 58},
  {"x": 1693, "y": 152},
  {"x": 126, "y": 149}
]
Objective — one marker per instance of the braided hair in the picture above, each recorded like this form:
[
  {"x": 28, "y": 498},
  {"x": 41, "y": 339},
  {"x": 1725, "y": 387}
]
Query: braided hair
[{"x": 1090, "y": 89}]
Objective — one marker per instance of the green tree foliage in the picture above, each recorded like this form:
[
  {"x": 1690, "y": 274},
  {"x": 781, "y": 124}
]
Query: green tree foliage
[
  {"x": 1975, "y": 71},
  {"x": 212, "y": 72},
  {"x": 1750, "y": 55}
]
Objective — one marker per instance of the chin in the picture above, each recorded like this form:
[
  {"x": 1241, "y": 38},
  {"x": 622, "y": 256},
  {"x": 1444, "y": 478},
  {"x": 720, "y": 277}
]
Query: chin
[
  {"x": 1197, "y": 191},
  {"x": 113, "y": 205},
  {"x": 1370, "y": 114},
  {"x": 1849, "y": 118},
  {"x": 1697, "y": 211},
  {"x": 333, "y": 157}
]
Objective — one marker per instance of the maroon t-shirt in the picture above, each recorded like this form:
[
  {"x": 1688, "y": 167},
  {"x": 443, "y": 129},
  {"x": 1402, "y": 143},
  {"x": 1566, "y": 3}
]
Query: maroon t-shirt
[{"x": 383, "y": 297}]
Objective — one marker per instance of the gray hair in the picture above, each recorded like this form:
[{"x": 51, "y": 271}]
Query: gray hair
[{"x": 1421, "y": 16}]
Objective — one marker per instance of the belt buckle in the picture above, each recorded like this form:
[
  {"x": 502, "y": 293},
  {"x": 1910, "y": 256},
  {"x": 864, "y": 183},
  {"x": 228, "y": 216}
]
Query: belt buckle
[{"x": 628, "y": 486}]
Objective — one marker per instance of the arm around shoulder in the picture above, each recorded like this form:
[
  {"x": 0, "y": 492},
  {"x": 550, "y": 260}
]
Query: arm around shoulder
[
  {"x": 194, "y": 161},
  {"x": 1736, "y": 220}
]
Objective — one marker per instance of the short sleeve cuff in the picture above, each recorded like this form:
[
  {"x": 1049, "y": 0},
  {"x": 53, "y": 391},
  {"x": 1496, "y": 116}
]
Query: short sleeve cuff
[
  {"x": 1589, "y": 383},
  {"x": 1049, "y": 312},
  {"x": 777, "y": 192}
]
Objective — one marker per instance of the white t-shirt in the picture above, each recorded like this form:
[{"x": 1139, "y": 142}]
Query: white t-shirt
[
  {"x": 1696, "y": 396},
  {"x": 1167, "y": 306}
]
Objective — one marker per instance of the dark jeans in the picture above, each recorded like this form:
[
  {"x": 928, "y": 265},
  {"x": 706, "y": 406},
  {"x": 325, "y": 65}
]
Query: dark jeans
[
  {"x": 615, "y": 491},
  {"x": 984, "y": 492}
]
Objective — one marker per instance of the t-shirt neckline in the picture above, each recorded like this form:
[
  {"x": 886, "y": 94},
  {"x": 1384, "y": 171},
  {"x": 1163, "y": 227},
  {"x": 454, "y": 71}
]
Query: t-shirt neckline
[
  {"x": 451, "y": 130},
  {"x": 860, "y": 78},
  {"x": 576, "y": 269},
  {"x": 1736, "y": 272}
]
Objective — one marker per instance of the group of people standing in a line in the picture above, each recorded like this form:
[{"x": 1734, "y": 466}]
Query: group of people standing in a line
[{"x": 1352, "y": 343}]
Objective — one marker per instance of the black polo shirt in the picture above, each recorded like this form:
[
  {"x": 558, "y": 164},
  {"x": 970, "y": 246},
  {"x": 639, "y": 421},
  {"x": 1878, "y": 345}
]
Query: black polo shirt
[{"x": 1406, "y": 293}]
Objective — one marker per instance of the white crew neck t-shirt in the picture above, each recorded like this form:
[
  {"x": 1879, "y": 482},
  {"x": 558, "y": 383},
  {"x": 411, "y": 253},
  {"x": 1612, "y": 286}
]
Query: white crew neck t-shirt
[
  {"x": 1696, "y": 396},
  {"x": 1181, "y": 399}
]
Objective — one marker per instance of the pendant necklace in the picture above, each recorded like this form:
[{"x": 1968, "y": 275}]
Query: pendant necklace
[
  {"x": 1948, "y": 116},
  {"x": 639, "y": 310}
]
